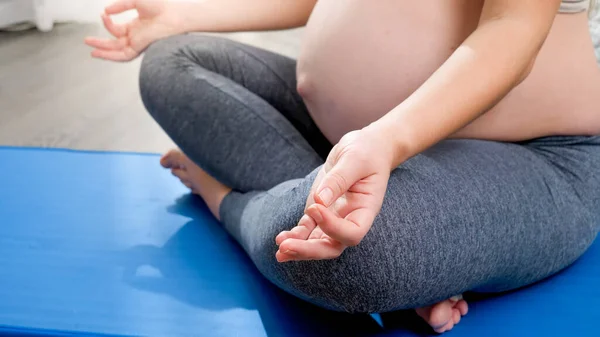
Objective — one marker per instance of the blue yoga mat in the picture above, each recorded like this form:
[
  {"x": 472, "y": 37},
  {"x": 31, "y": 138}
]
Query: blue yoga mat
[{"x": 111, "y": 244}]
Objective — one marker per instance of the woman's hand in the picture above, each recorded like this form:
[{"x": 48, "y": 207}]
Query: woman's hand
[
  {"x": 345, "y": 199},
  {"x": 156, "y": 19}
]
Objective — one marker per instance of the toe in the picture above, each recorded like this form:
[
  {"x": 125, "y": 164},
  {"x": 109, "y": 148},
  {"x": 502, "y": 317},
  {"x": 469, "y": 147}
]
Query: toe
[
  {"x": 456, "y": 316},
  {"x": 424, "y": 313},
  {"x": 166, "y": 159},
  {"x": 445, "y": 328},
  {"x": 181, "y": 174},
  {"x": 440, "y": 315},
  {"x": 171, "y": 159},
  {"x": 463, "y": 307},
  {"x": 445, "y": 315}
]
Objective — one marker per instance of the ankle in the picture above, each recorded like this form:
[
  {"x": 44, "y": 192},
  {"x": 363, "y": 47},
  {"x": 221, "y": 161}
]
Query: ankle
[{"x": 215, "y": 199}]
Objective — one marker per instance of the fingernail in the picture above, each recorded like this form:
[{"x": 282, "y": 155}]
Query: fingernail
[
  {"x": 291, "y": 252},
  {"x": 326, "y": 195}
]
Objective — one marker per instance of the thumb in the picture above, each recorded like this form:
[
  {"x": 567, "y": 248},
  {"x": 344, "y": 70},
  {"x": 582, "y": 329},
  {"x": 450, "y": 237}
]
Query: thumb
[{"x": 338, "y": 181}]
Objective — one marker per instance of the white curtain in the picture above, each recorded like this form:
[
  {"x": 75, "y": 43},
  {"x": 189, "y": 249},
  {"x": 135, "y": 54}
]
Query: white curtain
[
  {"x": 595, "y": 30},
  {"x": 76, "y": 10}
]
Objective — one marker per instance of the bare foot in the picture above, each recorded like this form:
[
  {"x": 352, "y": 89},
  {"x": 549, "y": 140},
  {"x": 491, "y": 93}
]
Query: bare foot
[
  {"x": 442, "y": 316},
  {"x": 194, "y": 178},
  {"x": 445, "y": 315}
]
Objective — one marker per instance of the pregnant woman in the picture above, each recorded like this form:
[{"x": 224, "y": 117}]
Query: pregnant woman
[{"x": 416, "y": 150}]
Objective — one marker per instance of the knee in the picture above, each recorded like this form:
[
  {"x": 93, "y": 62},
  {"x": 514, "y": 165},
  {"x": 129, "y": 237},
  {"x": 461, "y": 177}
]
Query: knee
[
  {"x": 166, "y": 60},
  {"x": 390, "y": 269},
  {"x": 201, "y": 50},
  {"x": 356, "y": 282},
  {"x": 158, "y": 69},
  {"x": 367, "y": 278}
]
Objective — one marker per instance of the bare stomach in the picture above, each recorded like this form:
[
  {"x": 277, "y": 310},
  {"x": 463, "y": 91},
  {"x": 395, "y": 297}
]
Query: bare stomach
[{"x": 360, "y": 59}]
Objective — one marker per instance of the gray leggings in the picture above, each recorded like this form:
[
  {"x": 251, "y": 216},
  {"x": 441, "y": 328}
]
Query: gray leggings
[{"x": 465, "y": 215}]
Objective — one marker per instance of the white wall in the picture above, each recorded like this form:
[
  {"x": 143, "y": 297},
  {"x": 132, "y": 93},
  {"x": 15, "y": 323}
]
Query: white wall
[
  {"x": 77, "y": 10},
  {"x": 45, "y": 12},
  {"x": 595, "y": 30},
  {"x": 90, "y": 11}
]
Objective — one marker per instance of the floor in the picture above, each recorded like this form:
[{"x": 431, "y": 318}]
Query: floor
[{"x": 53, "y": 94}]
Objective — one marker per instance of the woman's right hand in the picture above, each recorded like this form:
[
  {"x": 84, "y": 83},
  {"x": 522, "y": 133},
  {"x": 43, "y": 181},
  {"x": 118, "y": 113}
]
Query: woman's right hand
[{"x": 156, "y": 19}]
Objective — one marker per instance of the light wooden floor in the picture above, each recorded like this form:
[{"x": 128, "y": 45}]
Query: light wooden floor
[{"x": 52, "y": 94}]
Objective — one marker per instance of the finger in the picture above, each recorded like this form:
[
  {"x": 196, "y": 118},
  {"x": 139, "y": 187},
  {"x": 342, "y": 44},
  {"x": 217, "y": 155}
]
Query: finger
[
  {"x": 106, "y": 44},
  {"x": 304, "y": 250},
  {"x": 310, "y": 199},
  {"x": 301, "y": 231},
  {"x": 338, "y": 181},
  {"x": 112, "y": 55},
  {"x": 363, "y": 218},
  {"x": 114, "y": 29},
  {"x": 317, "y": 233},
  {"x": 343, "y": 230},
  {"x": 284, "y": 257},
  {"x": 120, "y": 7}
]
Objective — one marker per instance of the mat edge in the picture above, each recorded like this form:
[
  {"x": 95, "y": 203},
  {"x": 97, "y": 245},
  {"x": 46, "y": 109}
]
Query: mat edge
[
  {"x": 6, "y": 330},
  {"x": 67, "y": 150}
]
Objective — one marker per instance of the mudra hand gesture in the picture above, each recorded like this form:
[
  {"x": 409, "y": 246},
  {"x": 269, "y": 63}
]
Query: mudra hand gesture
[{"x": 345, "y": 199}]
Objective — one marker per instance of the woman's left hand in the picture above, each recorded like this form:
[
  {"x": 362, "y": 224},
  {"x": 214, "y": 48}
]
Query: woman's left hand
[{"x": 345, "y": 198}]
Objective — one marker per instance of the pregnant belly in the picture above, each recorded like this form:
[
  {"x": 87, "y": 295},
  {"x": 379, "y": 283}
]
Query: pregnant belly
[{"x": 360, "y": 59}]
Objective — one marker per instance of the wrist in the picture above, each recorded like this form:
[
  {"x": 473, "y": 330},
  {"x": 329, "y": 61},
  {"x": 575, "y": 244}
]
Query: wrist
[
  {"x": 394, "y": 141},
  {"x": 183, "y": 17},
  {"x": 191, "y": 16}
]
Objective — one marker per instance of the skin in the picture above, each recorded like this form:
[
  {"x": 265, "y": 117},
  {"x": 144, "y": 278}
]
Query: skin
[
  {"x": 335, "y": 66},
  {"x": 494, "y": 69},
  {"x": 441, "y": 316}
]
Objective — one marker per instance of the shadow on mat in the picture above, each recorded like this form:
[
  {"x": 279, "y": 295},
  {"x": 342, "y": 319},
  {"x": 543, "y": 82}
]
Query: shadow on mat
[{"x": 202, "y": 266}]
